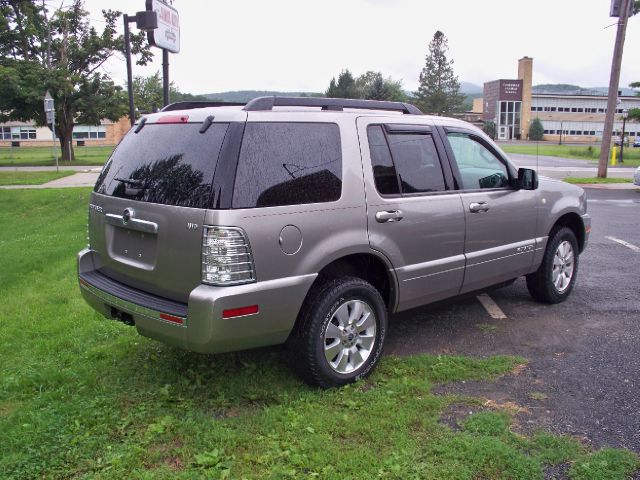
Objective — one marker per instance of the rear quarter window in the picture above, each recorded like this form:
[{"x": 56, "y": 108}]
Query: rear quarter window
[{"x": 288, "y": 164}]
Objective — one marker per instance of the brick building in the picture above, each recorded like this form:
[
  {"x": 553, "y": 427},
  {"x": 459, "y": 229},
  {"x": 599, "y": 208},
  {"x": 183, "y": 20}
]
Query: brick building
[
  {"x": 28, "y": 134},
  {"x": 512, "y": 105}
]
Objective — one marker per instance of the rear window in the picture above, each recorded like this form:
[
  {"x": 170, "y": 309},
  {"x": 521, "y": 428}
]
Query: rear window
[
  {"x": 171, "y": 164},
  {"x": 288, "y": 164}
]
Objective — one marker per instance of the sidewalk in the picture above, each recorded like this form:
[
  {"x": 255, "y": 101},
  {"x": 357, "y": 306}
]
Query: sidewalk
[
  {"x": 77, "y": 168},
  {"x": 81, "y": 179},
  {"x": 610, "y": 186}
]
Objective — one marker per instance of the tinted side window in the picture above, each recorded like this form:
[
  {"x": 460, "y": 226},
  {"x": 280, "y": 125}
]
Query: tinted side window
[
  {"x": 288, "y": 164},
  {"x": 479, "y": 167},
  {"x": 384, "y": 172},
  {"x": 416, "y": 160}
]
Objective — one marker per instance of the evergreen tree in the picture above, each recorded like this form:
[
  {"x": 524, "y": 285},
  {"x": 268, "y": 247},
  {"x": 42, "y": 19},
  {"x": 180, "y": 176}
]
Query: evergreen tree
[
  {"x": 536, "y": 130},
  {"x": 369, "y": 86},
  {"x": 345, "y": 87},
  {"x": 439, "y": 88}
]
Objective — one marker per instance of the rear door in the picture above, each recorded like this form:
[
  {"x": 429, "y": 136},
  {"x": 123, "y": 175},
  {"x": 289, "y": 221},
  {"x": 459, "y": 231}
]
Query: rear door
[
  {"x": 414, "y": 217},
  {"x": 500, "y": 220},
  {"x": 149, "y": 204}
]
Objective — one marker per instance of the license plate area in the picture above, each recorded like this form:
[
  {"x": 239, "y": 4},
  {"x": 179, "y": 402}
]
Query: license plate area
[{"x": 138, "y": 249}]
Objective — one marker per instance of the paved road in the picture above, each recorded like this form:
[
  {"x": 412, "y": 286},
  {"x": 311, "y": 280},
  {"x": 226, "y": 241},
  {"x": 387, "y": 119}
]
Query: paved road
[
  {"x": 583, "y": 376},
  {"x": 557, "y": 167}
]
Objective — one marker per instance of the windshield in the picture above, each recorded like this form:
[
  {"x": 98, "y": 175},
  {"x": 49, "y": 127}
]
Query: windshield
[{"x": 171, "y": 164}]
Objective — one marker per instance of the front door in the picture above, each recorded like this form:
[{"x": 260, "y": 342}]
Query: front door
[
  {"x": 502, "y": 133},
  {"x": 414, "y": 218},
  {"x": 500, "y": 220}
]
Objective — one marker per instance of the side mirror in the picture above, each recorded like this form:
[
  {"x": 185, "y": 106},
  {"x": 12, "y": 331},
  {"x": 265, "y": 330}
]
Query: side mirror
[{"x": 527, "y": 179}]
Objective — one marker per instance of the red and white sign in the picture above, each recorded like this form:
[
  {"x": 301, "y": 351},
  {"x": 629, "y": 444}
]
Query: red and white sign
[{"x": 167, "y": 35}]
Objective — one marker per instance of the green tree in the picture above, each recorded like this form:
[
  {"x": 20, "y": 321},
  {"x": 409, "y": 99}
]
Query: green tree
[
  {"x": 634, "y": 113},
  {"x": 439, "y": 88},
  {"x": 536, "y": 130},
  {"x": 370, "y": 86},
  {"x": 148, "y": 94},
  {"x": 373, "y": 86},
  {"x": 345, "y": 87},
  {"x": 61, "y": 52}
]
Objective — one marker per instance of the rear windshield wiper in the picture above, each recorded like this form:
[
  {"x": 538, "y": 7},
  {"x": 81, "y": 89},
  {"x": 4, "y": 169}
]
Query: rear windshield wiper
[{"x": 132, "y": 181}]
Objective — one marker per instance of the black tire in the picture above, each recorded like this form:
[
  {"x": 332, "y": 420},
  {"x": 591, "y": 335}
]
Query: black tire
[
  {"x": 307, "y": 343},
  {"x": 540, "y": 284}
]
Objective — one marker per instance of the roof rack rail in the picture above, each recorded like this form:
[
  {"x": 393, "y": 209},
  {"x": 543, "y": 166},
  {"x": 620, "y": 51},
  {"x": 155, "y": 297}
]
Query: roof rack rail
[
  {"x": 337, "y": 104},
  {"x": 188, "y": 105}
]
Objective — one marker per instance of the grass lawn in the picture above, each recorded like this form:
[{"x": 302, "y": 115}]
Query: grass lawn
[
  {"x": 43, "y": 156},
  {"x": 584, "y": 180},
  {"x": 85, "y": 397},
  {"x": 31, "y": 178},
  {"x": 587, "y": 152}
]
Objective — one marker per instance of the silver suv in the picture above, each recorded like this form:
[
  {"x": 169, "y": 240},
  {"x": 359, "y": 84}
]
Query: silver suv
[{"x": 310, "y": 220}]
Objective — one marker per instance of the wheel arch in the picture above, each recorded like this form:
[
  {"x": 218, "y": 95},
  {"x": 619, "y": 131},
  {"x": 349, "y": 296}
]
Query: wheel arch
[
  {"x": 370, "y": 266},
  {"x": 574, "y": 222}
]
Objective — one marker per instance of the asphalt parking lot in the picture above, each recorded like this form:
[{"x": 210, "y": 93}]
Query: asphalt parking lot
[{"x": 583, "y": 375}]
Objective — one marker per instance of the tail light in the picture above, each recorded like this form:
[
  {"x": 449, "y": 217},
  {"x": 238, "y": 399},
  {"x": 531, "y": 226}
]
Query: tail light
[{"x": 226, "y": 257}]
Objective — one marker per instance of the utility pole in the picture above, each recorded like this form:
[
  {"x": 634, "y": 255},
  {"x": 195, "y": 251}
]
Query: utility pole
[{"x": 614, "y": 81}]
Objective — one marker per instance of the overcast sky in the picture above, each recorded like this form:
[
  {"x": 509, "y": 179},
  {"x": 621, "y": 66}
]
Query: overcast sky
[{"x": 299, "y": 45}]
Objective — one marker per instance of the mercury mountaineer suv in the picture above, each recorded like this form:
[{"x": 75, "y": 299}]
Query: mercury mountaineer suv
[{"x": 309, "y": 221}]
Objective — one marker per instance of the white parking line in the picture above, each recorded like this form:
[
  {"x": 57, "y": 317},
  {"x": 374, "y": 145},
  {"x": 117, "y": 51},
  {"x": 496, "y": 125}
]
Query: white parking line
[
  {"x": 490, "y": 306},
  {"x": 633, "y": 247}
]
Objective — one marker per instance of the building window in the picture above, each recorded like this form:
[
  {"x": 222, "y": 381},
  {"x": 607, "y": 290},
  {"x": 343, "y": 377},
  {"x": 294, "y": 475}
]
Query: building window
[{"x": 89, "y": 132}]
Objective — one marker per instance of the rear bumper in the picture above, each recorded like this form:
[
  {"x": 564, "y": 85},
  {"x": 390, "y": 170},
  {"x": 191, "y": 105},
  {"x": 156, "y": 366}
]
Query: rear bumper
[{"x": 198, "y": 325}]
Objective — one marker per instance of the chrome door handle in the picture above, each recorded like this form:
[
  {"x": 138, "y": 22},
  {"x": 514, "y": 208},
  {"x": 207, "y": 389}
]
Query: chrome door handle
[
  {"x": 389, "y": 216},
  {"x": 478, "y": 207}
]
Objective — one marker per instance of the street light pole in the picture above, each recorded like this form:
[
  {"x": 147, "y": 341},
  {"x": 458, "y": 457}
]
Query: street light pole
[
  {"x": 145, "y": 20},
  {"x": 127, "y": 54},
  {"x": 625, "y": 115},
  {"x": 560, "y": 142}
]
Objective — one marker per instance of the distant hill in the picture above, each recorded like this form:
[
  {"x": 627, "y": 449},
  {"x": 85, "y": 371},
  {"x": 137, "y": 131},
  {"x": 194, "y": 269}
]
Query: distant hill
[
  {"x": 243, "y": 96},
  {"x": 470, "y": 88},
  {"x": 568, "y": 89}
]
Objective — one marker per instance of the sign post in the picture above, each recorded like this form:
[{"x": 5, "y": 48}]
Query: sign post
[
  {"x": 166, "y": 36},
  {"x": 50, "y": 112}
]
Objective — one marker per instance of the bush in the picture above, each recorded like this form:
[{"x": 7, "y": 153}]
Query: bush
[
  {"x": 490, "y": 129},
  {"x": 536, "y": 130}
]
